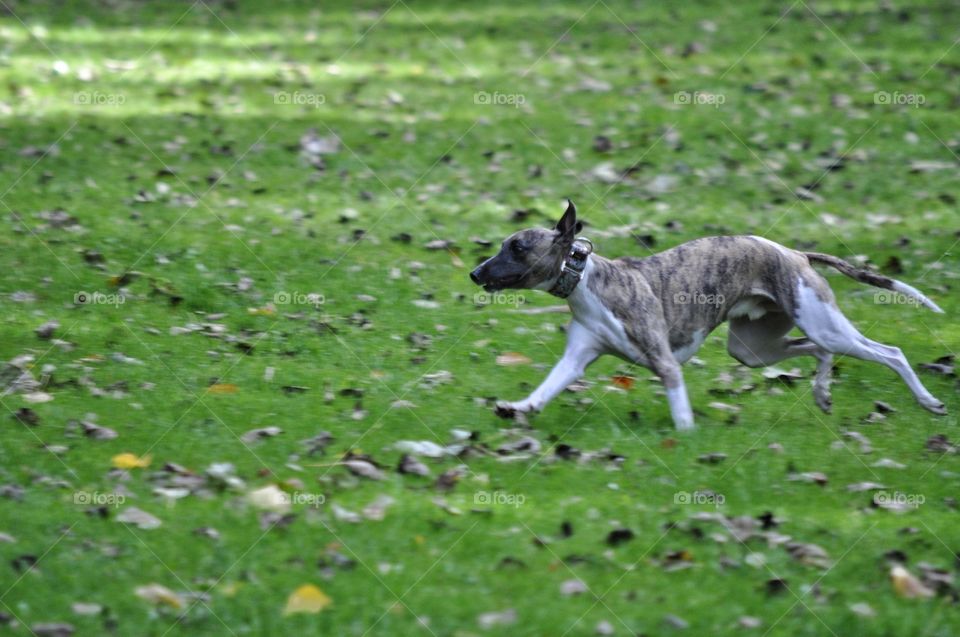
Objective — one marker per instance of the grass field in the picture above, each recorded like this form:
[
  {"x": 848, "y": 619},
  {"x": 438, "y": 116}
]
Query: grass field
[{"x": 246, "y": 215}]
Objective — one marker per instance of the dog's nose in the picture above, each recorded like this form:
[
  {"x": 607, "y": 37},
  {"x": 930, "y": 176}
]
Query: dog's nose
[{"x": 475, "y": 276}]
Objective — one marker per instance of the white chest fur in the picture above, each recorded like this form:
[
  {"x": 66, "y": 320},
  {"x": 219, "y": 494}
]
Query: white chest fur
[{"x": 590, "y": 312}]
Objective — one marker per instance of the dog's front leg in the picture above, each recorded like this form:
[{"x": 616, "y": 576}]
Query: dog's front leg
[{"x": 581, "y": 350}]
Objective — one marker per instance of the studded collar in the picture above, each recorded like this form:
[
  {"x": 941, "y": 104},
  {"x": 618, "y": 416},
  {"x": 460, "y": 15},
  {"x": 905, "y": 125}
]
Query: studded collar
[{"x": 572, "y": 270}]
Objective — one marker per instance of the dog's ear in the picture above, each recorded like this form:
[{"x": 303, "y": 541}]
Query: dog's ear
[{"x": 568, "y": 226}]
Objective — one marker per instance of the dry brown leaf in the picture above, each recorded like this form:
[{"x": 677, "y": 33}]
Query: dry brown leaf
[
  {"x": 222, "y": 388},
  {"x": 508, "y": 359}
]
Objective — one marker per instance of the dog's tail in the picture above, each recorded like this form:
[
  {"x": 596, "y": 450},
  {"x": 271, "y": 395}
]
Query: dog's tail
[{"x": 872, "y": 278}]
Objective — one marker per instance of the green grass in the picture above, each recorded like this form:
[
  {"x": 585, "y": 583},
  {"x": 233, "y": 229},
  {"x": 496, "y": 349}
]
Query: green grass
[{"x": 190, "y": 114}]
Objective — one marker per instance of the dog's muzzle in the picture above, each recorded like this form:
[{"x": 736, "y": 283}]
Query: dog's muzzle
[{"x": 481, "y": 276}]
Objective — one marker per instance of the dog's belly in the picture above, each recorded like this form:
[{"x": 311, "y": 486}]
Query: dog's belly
[{"x": 752, "y": 307}]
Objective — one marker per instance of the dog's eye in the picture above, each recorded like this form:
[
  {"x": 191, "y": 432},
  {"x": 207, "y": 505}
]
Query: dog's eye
[{"x": 519, "y": 247}]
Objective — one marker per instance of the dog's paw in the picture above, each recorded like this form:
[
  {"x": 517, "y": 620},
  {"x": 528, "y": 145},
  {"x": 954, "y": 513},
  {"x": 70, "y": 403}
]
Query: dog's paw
[
  {"x": 514, "y": 411},
  {"x": 825, "y": 403},
  {"x": 505, "y": 410},
  {"x": 939, "y": 409}
]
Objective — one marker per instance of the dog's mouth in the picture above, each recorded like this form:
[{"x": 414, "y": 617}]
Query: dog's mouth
[
  {"x": 499, "y": 284},
  {"x": 491, "y": 282}
]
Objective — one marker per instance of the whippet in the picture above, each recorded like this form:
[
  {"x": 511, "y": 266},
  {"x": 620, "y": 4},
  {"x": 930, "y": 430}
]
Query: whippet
[{"x": 657, "y": 311}]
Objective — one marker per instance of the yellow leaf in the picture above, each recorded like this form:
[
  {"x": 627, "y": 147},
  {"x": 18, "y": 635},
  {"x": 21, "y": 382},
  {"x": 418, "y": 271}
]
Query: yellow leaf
[
  {"x": 131, "y": 461},
  {"x": 307, "y": 599},
  {"x": 512, "y": 358},
  {"x": 222, "y": 388},
  {"x": 266, "y": 310},
  {"x": 623, "y": 382}
]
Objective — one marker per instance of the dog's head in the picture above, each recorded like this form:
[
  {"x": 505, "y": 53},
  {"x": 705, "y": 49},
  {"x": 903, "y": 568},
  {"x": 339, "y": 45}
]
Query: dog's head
[{"x": 529, "y": 258}]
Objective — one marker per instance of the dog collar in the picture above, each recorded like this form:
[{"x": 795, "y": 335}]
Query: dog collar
[{"x": 573, "y": 266}]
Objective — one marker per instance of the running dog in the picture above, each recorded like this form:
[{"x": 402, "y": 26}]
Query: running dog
[{"x": 657, "y": 311}]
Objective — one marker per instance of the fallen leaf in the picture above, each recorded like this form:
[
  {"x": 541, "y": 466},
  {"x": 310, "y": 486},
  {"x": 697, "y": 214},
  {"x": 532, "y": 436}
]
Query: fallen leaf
[
  {"x": 887, "y": 463},
  {"x": 811, "y": 554},
  {"x": 260, "y": 434},
  {"x": 808, "y": 476},
  {"x": 940, "y": 444},
  {"x": 712, "y": 458},
  {"x": 508, "y": 359},
  {"x": 858, "y": 487},
  {"x": 222, "y": 388},
  {"x": 270, "y": 498},
  {"x": 363, "y": 468},
  {"x": 421, "y": 448},
  {"x": 410, "y": 465},
  {"x": 619, "y": 536},
  {"x": 84, "y": 608},
  {"x": 907, "y": 585},
  {"x": 377, "y": 509},
  {"x": 930, "y": 165},
  {"x": 307, "y": 599},
  {"x": 863, "y": 609},
  {"x": 573, "y": 587},
  {"x": 95, "y": 431},
  {"x": 676, "y": 622},
  {"x": 159, "y": 594},
  {"x": 497, "y": 618},
  {"x": 52, "y": 629},
  {"x": 139, "y": 518},
  {"x": 131, "y": 461}
]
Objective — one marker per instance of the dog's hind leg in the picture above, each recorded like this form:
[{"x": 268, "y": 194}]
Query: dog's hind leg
[
  {"x": 826, "y": 326},
  {"x": 762, "y": 341}
]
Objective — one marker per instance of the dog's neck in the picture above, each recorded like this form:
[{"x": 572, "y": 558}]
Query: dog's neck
[
  {"x": 578, "y": 297},
  {"x": 571, "y": 270}
]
